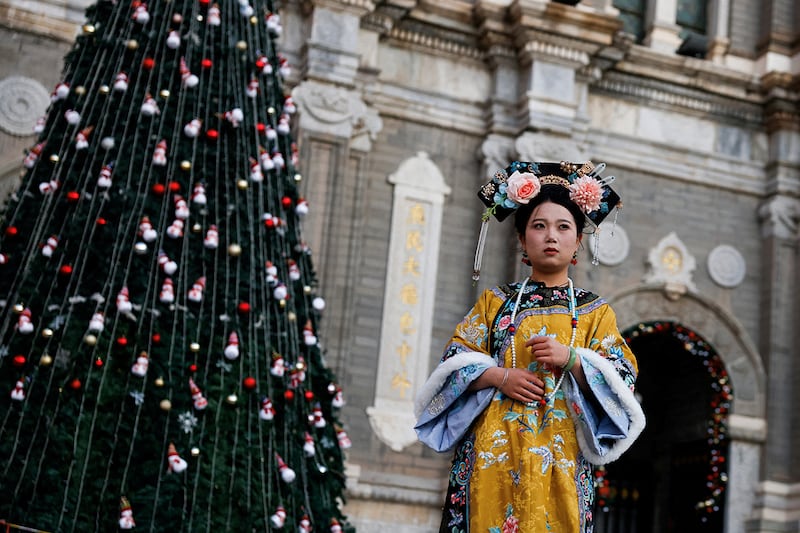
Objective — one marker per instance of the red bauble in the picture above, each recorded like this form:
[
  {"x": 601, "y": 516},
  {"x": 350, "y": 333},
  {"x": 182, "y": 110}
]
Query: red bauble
[
  {"x": 249, "y": 383},
  {"x": 206, "y": 63},
  {"x": 261, "y": 62},
  {"x": 159, "y": 189},
  {"x": 73, "y": 196},
  {"x": 244, "y": 307},
  {"x": 122, "y": 341},
  {"x": 270, "y": 223},
  {"x": 174, "y": 186},
  {"x": 286, "y": 202},
  {"x": 65, "y": 270},
  {"x": 212, "y": 135},
  {"x": 98, "y": 363},
  {"x": 204, "y": 2},
  {"x": 148, "y": 63},
  {"x": 11, "y": 231},
  {"x": 289, "y": 395},
  {"x": 101, "y": 221},
  {"x": 261, "y": 127},
  {"x": 309, "y": 395},
  {"x": 156, "y": 338},
  {"x": 75, "y": 384},
  {"x": 19, "y": 360},
  {"x": 193, "y": 368}
]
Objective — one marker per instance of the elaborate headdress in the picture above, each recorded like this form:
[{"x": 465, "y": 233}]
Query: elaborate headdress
[{"x": 521, "y": 181}]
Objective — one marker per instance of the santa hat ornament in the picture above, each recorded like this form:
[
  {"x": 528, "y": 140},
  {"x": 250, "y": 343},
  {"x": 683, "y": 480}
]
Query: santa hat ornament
[
  {"x": 235, "y": 116},
  {"x": 263, "y": 62},
  {"x": 287, "y": 474},
  {"x": 294, "y": 270},
  {"x": 175, "y": 230},
  {"x": 49, "y": 186},
  {"x": 82, "y": 138},
  {"x": 255, "y": 171},
  {"x": 140, "y": 14},
  {"x": 174, "y": 461},
  {"x": 267, "y": 411},
  {"x": 301, "y": 209},
  {"x": 33, "y": 155},
  {"x": 271, "y": 133},
  {"x": 198, "y": 399},
  {"x": 72, "y": 116},
  {"x": 308, "y": 445},
  {"x": 146, "y": 230},
  {"x": 295, "y": 155},
  {"x": 123, "y": 301},
  {"x": 288, "y": 105},
  {"x": 173, "y": 40},
  {"x": 344, "y": 440},
  {"x": 167, "y": 294},
  {"x": 160, "y": 153},
  {"x": 278, "y": 518},
  {"x": 272, "y": 273},
  {"x": 97, "y": 323},
  {"x": 211, "y": 240},
  {"x": 104, "y": 178},
  {"x": 335, "y": 526},
  {"x": 18, "y": 392},
  {"x": 266, "y": 161},
  {"x": 283, "y": 124},
  {"x": 308, "y": 334},
  {"x": 121, "y": 82},
  {"x": 60, "y": 92},
  {"x": 274, "y": 24},
  {"x": 278, "y": 367},
  {"x": 192, "y": 128},
  {"x": 277, "y": 158},
  {"x": 181, "y": 207},
  {"x": 24, "y": 323},
  {"x": 245, "y": 9},
  {"x": 305, "y": 525},
  {"x": 280, "y": 292},
  {"x": 195, "y": 294},
  {"x": 213, "y": 17},
  {"x": 50, "y": 246},
  {"x": 252, "y": 88},
  {"x": 125, "y": 514},
  {"x": 283, "y": 67},
  {"x": 168, "y": 266},
  {"x": 338, "y": 398},
  {"x": 232, "y": 349},
  {"x": 188, "y": 79},
  {"x": 150, "y": 107},
  {"x": 319, "y": 419},
  {"x": 139, "y": 368},
  {"x": 199, "y": 194}
]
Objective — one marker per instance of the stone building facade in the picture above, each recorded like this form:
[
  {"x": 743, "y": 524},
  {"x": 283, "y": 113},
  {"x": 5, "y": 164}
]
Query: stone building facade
[{"x": 407, "y": 106}]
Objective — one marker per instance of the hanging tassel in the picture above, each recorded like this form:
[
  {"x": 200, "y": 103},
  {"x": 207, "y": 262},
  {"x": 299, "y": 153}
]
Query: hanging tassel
[
  {"x": 596, "y": 247},
  {"x": 476, "y": 267}
]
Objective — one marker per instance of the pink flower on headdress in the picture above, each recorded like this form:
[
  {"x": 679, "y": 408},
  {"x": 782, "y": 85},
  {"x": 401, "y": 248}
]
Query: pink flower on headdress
[
  {"x": 521, "y": 187},
  {"x": 587, "y": 192}
]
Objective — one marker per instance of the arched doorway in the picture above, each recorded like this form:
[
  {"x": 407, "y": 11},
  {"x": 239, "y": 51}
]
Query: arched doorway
[{"x": 673, "y": 479}]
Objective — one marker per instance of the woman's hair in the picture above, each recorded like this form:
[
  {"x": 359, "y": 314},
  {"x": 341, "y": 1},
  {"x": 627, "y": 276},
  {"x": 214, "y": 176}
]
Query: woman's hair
[{"x": 558, "y": 194}]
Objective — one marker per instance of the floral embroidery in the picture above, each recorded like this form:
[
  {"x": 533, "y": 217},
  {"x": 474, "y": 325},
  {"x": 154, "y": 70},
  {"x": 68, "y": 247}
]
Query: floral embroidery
[
  {"x": 473, "y": 330},
  {"x": 510, "y": 524}
]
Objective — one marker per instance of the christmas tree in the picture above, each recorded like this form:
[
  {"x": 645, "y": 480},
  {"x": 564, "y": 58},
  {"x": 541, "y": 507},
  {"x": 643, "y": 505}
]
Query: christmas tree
[{"x": 158, "y": 307}]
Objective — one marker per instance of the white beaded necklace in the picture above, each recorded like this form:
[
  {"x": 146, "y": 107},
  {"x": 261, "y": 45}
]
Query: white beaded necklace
[{"x": 573, "y": 311}]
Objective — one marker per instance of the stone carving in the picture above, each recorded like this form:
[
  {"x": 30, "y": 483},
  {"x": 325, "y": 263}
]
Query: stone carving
[
  {"x": 22, "y": 101},
  {"x": 726, "y": 266},
  {"x": 546, "y": 147},
  {"x": 610, "y": 243},
  {"x": 671, "y": 265},
  {"x": 780, "y": 216}
]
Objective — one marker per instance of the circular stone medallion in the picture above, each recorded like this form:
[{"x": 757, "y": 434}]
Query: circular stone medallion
[
  {"x": 726, "y": 266},
  {"x": 22, "y": 101},
  {"x": 613, "y": 246}
]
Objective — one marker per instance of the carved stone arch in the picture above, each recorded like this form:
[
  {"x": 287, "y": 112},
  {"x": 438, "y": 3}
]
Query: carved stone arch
[{"x": 718, "y": 327}]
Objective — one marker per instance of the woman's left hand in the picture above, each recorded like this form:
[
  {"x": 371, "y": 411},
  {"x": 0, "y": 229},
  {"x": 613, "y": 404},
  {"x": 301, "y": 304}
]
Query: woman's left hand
[{"x": 546, "y": 349}]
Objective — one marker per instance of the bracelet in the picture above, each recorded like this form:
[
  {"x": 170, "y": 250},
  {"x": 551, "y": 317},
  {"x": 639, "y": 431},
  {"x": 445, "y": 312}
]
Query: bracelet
[
  {"x": 573, "y": 355},
  {"x": 505, "y": 380}
]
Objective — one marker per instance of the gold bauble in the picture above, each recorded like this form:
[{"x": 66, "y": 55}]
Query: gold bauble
[
  {"x": 241, "y": 45},
  {"x": 159, "y": 382},
  {"x": 253, "y": 20},
  {"x": 80, "y": 90},
  {"x": 282, "y": 303},
  {"x": 199, "y": 18},
  {"x": 195, "y": 451},
  {"x": 132, "y": 44},
  {"x": 88, "y": 29},
  {"x": 47, "y": 333},
  {"x": 165, "y": 404},
  {"x": 195, "y": 347},
  {"x": 298, "y": 178},
  {"x": 18, "y": 308},
  {"x": 197, "y": 228},
  {"x": 186, "y": 165},
  {"x": 164, "y": 93},
  {"x": 234, "y": 250},
  {"x": 291, "y": 316},
  {"x": 54, "y": 158},
  {"x": 271, "y": 110},
  {"x": 307, "y": 289},
  {"x": 46, "y": 360},
  {"x": 104, "y": 89},
  {"x": 232, "y": 399},
  {"x": 90, "y": 339},
  {"x": 242, "y": 184}
]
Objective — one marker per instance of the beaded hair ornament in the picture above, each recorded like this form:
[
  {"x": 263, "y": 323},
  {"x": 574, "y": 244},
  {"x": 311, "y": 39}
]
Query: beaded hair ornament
[{"x": 521, "y": 181}]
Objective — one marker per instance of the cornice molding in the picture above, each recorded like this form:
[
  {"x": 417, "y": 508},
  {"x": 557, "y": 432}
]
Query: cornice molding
[{"x": 434, "y": 43}]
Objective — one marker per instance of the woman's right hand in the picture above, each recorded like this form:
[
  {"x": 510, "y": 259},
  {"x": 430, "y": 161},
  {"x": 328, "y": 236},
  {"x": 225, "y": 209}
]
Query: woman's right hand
[{"x": 521, "y": 385}]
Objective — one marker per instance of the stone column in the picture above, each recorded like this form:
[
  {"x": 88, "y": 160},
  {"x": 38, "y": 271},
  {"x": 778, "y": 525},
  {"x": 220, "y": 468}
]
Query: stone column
[
  {"x": 661, "y": 27},
  {"x": 719, "y": 13}
]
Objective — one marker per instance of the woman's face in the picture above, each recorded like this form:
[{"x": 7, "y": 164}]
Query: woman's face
[{"x": 551, "y": 238}]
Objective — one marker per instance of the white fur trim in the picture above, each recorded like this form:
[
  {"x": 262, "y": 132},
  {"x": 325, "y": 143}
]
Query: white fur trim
[
  {"x": 629, "y": 403},
  {"x": 442, "y": 372}
]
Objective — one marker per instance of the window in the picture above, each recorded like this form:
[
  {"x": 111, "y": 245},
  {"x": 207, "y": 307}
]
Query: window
[
  {"x": 631, "y": 12},
  {"x": 691, "y": 17}
]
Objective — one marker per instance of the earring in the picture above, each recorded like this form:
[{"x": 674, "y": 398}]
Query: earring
[
  {"x": 525, "y": 260},
  {"x": 574, "y": 260}
]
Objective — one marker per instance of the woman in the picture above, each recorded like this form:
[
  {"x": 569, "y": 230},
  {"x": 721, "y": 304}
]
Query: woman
[{"x": 536, "y": 384}]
